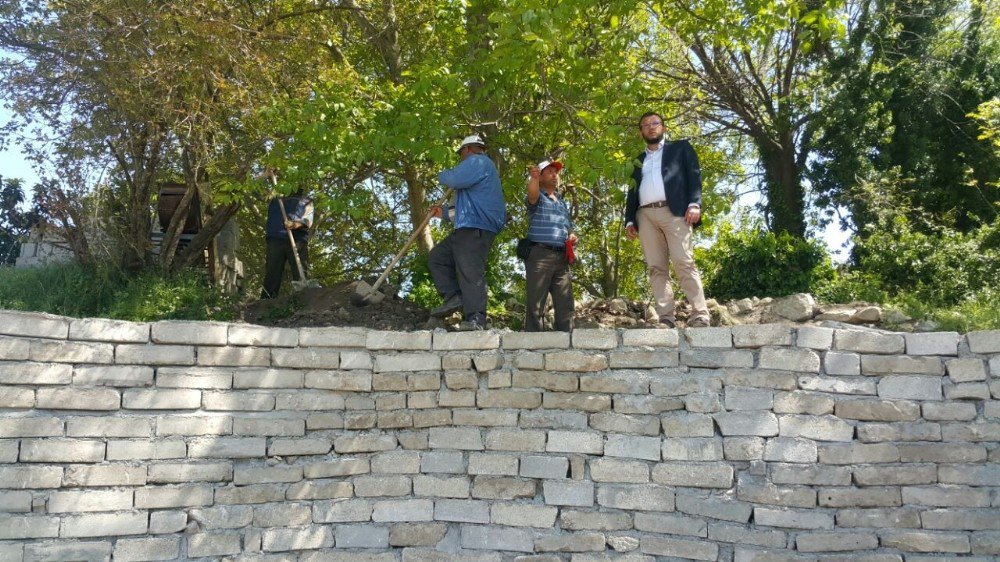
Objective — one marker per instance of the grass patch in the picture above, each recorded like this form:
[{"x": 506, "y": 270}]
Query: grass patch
[
  {"x": 102, "y": 292},
  {"x": 981, "y": 311}
]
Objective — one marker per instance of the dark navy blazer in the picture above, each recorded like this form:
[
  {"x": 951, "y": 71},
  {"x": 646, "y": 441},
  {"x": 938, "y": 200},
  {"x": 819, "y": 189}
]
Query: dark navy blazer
[{"x": 681, "y": 180}]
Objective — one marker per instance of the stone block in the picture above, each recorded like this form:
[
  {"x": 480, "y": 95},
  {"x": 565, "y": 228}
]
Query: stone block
[
  {"x": 536, "y": 340},
  {"x": 183, "y": 472},
  {"x": 104, "y": 475},
  {"x": 28, "y": 527},
  {"x": 143, "y": 449},
  {"x": 14, "y": 349},
  {"x": 342, "y": 510},
  {"x": 364, "y": 443},
  {"x": 740, "y": 535},
  {"x": 454, "y": 341},
  {"x": 694, "y": 475},
  {"x": 987, "y": 341},
  {"x": 48, "y": 351},
  {"x": 692, "y": 449},
  {"x": 551, "y": 467},
  {"x": 881, "y": 518},
  {"x": 914, "y": 431},
  {"x": 497, "y": 538},
  {"x": 841, "y": 363},
  {"x": 197, "y": 495},
  {"x": 147, "y": 548},
  {"x": 356, "y": 361},
  {"x": 223, "y": 516},
  {"x": 717, "y": 358},
  {"x": 650, "y": 338},
  {"x": 878, "y": 410},
  {"x": 94, "y": 399},
  {"x": 865, "y": 341},
  {"x": 643, "y": 359},
  {"x": 441, "y": 486},
  {"x": 819, "y": 428},
  {"x": 485, "y": 418},
  {"x": 869, "y": 496},
  {"x": 31, "y": 427},
  {"x": 553, "y": 420},
  {"x": 757, "y": 489},
  {"x": 378, "y": 486},
  {"x": 762, "y": 335},
  {"x": 941, "y": 452},
  {"x": 34, "y": 325},
  {"x": 618, "y": 382},
  {"x": 812, "y": 475},
  {"x": 403, "y": 510},
  {"x": 64, "y": 550},
  {"x": 595, "y": 339},
  {"x": 967, "y": 391},
  {"x": 192, "y": 333},
  {"x": 741, "y": 398},
  {"x": 89, "y": 500},
  {"x": 248, "y": 334},
  {"x": 306, "y": 358},
  {"x": 575, "y": 442},
  {"x": 801, "y": 402},
  {"x": 901, "y": 365},
  {"x": 638, "y": 497},
  {"x": 564, "y": 492},
  {"x": 791, "y": 450},
  {"x": 764, "y": 424},
  {"x": 839, "y": 385},
  {"x": 269, "y": 427},
  {"x": 191, "y": 425},
  {"x": 152, "y": 354},
  {"x": 932, "y": 343},
  {"x": 611, "y": 422},
  {"x": 333, "y": 337},
  {"x": 515, "y": 440},
  {"x": 702, "y": 402},
  {"x": 638, "y": 404},
  {"x": 487, "y": 362},
  {"x": 57, "y": 450},
  {"x": 193, "y": 377},
  {"x": 682, "y": 424},
  {"x": 407, "y": 362},
  {"x": 346, "y": 381},
  {"x": 384, "y": 340},
  {"x": 858, "y": 453},
  {"x": 835, "y": 541},
  {"x": 961, "y": 519},
  {"x": 759, "y": 378},
  {"x": 579, "y": 401},
  {"x": 574, "y": 542},
  {"x": 301, "y": 538},
  {"x": 575, "y": 520},
  {"x": 416, "y": 534},
  {"x": 910, "y": 388},
  {"x": 461, "y": 438},
  {"x": 966, "y": 370},
  {"x": 167, "y": 522},
  {"x": 109, "y": 375},
  {"x": 942, "y": 496},
  {"x": 713, "y": 507},
  {"x": 529, "y": 360},
  {"x": 319, "y": 490},
  {"x": 232, "y": 356},
  {"x": 523, "y": 515},
  {"x": 493, "y": 464},
  {"x": 814, "y": 337},
  {"x": 26, "y": 372},
  {"x": 238, "y": 401},
  {"x": 679, "y": 548},
  {"x": 103, "y": 524},
  {"x": 743, "y": 448},
  {"x": 926, "y": 541},
  {"x": 308, "y": 400},
  {"x": 462, "y": 511},
  {"x": 615, "y": 470},
  {"x": 227, "y": 447},
  {"x": 214, "y": 544},
  {"x": 792, "y": 518},
  {"x": 789, "y": 359},
  {"x": 709, "y": 337},
  {"x": 246, "y": 475},
  {"x": 396, "y": 462},
  {"x": 161, "y": 399},
  {"x": 630, "y": 446},
  {"x": 575, "y": 361}
]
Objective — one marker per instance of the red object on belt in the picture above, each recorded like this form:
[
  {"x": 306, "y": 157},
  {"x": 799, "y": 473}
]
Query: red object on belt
[{"x": 570, "y": 256}]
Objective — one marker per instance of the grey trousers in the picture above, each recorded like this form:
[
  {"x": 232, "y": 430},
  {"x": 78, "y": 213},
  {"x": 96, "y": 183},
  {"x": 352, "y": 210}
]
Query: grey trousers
[
  {"x": 458, "y": 266},
  {"x": 547, "y": 271}
]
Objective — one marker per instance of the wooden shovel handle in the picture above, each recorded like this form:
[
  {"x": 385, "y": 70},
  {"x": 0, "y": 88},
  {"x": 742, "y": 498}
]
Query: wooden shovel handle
[{"x": 409, "y": 242}]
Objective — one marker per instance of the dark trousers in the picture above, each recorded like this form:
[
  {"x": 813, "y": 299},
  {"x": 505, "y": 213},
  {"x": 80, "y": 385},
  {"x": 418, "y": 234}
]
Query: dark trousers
[
  {"x": 279, "y": 252},
  {"x": 547, "y": 271},
  {"x": 458, "y": 266}
]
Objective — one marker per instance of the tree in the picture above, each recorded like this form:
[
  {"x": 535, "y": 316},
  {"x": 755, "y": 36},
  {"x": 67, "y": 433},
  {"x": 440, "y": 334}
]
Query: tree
[
  {"x": 751, "y": 67},
  {"x": 14, "y": 221}
]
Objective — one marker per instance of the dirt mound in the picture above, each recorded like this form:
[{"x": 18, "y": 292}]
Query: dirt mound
[{"x": 333, "y": 306}]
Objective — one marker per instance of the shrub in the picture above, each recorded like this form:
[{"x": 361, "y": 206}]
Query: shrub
[{"x": 755, "y": 263}]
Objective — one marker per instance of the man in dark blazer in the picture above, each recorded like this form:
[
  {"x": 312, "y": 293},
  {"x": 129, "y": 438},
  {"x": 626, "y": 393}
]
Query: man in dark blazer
[{"x": 662, "y": 209}]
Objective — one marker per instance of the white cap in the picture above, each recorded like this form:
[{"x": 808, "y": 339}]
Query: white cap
[
  {"x": 546, "y": 163},
  {"x": 471, "y": 139}
]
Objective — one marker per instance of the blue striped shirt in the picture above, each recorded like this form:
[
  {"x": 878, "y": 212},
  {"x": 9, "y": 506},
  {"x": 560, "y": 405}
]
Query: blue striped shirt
[{"x": 548, "y": 220}]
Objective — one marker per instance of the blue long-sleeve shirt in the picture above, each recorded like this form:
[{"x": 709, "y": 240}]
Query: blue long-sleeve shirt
[{"x": 478, "y": 195}]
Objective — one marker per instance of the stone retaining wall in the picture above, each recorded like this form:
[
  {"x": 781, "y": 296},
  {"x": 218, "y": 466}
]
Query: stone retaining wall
[{"x": 178, "y": 440}]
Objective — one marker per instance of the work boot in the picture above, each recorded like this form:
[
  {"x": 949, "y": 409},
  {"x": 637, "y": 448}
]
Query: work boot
[
  {"x": 469, "y": 326},
  {"x": 667, "y": 323},
  {"x": 699, "y": 322},
  {"x": 451, "y": 305}
]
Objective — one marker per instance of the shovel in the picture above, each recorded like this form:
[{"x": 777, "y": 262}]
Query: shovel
[
  {"x": 302, "y": 283},
  {"x": 367, "y": 294}
]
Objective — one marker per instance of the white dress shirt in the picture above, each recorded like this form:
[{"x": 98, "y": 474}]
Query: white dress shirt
[{"x": 651, "y": 188}]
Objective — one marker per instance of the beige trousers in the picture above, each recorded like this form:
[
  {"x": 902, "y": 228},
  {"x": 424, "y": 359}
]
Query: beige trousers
[{"x": 666, "y": 240}]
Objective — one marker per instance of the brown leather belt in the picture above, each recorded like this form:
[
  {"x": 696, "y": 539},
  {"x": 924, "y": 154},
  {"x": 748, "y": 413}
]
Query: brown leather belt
[{"x": 653, "y": 205}]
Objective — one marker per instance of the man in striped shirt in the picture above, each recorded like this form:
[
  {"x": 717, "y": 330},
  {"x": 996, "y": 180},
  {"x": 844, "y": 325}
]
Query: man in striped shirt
[{"x": 547, "y": 267}]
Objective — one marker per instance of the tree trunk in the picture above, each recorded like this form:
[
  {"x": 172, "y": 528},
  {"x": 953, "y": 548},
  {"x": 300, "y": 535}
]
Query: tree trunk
[
  {"x": 205, "y": 236},
  {"x": 783, "y": 183},
  {"x": 418, "y": 206}
]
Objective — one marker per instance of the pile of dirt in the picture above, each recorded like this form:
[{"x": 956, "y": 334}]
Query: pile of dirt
[{"x": 334, "y": 306}]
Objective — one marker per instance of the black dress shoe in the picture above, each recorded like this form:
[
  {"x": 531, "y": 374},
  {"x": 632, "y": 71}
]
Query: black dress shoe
[{"x": 450, "y": 306}]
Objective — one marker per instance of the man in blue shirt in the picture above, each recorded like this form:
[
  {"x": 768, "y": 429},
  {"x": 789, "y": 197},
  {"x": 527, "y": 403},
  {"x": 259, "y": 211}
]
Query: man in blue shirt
[
  {"x": 547, "y": 267},
  {"x": 458, "y": 263}
]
